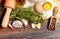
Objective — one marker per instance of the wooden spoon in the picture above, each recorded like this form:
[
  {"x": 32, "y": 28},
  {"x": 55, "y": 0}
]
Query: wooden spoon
[{"x": 53, "y": 19}]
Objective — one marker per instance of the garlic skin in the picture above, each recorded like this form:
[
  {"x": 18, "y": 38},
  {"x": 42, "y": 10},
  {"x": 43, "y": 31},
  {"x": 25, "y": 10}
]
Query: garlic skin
[
  {"x": 17, "y": 24},
  {"x": 25, "y": 22}
]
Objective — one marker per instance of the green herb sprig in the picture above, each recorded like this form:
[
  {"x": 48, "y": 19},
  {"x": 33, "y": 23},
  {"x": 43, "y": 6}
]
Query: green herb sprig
[{"x": 26, "y": 13}]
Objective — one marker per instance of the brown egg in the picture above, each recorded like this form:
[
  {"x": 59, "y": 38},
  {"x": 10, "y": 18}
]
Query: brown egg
[{"x": 38, "y": 8}]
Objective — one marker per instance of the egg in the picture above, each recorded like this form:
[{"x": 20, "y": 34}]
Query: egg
[
  {"x": 47, "y": 6},
  {"x": 38, "y": 8}
]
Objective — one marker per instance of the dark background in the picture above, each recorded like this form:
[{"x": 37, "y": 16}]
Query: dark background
[{"x": 2, "y": 10}]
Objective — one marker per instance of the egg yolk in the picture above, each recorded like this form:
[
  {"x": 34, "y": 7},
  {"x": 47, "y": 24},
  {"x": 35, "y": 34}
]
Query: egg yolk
[{"x": 47, "y": 6}]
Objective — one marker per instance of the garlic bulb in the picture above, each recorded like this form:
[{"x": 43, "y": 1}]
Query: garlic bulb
[
  {"x": 25, "y": 22},
  {"x": 17, "y": 24}
]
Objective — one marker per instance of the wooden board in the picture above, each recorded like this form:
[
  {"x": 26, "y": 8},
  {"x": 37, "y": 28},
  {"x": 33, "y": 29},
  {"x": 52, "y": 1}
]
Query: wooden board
[{"x": 43, "y": 33}]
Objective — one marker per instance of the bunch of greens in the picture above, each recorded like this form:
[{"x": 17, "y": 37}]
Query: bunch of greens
[{"x": 26, "y": 13}]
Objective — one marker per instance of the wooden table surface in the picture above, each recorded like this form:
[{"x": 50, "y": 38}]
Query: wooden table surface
[{"x": 43, "y": 33}]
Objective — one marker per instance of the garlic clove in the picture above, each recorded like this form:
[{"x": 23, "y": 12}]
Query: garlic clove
[{"x": 25, "y": 22}]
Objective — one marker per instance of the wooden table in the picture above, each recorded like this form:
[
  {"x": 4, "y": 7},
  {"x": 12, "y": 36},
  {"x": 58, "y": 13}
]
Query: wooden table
[{"x": 43, "y": 33}]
